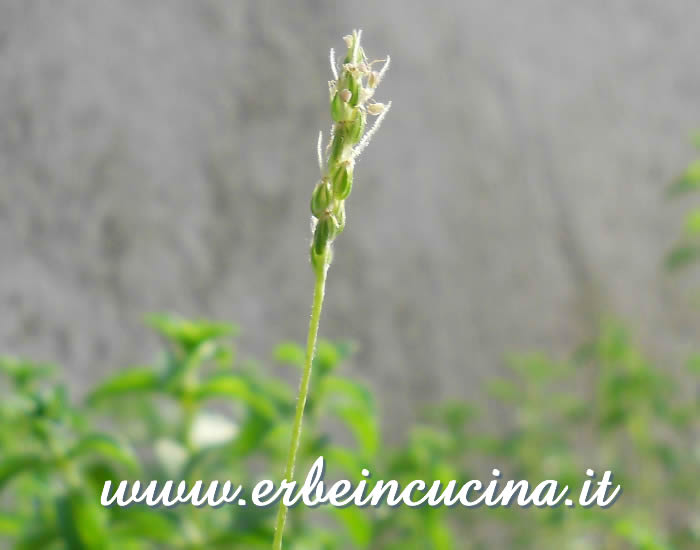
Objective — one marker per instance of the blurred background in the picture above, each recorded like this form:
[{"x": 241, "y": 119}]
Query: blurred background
[{"x": 160, "y": 156}]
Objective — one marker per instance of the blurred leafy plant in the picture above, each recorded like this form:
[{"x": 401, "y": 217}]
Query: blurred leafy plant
[
  {"x": 687, "y": 250},
  {"x": 200, "y": 413}
]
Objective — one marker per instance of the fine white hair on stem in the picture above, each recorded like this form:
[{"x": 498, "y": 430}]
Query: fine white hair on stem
[
  {"x": 319, "y": 151},
  {"x": 334, "y": 67},
  {"x": 385, "y": 68},
  {"x": 364, "y": 142},
  {"x": 331, "y": 133}
]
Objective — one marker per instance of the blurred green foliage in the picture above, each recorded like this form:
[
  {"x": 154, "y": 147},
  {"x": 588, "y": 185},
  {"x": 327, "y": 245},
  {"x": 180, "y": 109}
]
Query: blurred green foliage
[
  {"x": 199, "y": 413},
  {"x": 687, "y": 250}
]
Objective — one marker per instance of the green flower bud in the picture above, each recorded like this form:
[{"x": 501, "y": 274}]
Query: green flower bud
[
  {"x": 342, "y": 181},
  {"x": 320, "y": 198},
  {"x": 356, "y": 128},
  {"x": 336, "y": 148},
  {"x": 351, "y": 90},
  {"x": 340, "y": 110}
]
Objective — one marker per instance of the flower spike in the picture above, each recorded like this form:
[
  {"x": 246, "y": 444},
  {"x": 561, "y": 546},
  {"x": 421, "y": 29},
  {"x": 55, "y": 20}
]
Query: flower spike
[{"x": 350, "y": 93}]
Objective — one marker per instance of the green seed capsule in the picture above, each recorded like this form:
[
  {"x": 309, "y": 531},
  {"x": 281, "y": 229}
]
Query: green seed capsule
[
  {"x": 320, "y": 198},
  {"x": 324, "y": 232},
  {"x": 342, "y": 181},
  {"x": 336, "y": 148},
  {"x": 354, "y": 87},
  {"x": 337, "y": 108},
  {"x": 341, "y": 111},
  {"x": 340, "y": 216},
  {"x": 356, "y": 128}
]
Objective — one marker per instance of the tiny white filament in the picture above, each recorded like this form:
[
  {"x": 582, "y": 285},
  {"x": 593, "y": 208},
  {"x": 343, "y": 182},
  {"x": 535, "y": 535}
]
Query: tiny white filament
[
  {"x": 334, "y": 68},
  {"x": 385, "y": 68},
  {"x": 319, "y": 151},
  {"x": 364, "y": 142},
  {"x": 331, "y": 134}
]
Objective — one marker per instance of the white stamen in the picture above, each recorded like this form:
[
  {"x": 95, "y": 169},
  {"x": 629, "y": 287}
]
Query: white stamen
[
  {"x": 375, "y": 108},
  {"x": 372, "y": 79},
  {"x": 365, "y": 94}
]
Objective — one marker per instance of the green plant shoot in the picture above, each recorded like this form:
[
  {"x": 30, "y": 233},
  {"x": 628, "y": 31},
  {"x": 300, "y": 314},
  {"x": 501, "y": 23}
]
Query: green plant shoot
[{"x": 351, "y": 101}]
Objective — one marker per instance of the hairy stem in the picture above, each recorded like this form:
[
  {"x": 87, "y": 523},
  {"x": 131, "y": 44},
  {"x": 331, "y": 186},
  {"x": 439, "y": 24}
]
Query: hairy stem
[{"x": 317, "y": 304}]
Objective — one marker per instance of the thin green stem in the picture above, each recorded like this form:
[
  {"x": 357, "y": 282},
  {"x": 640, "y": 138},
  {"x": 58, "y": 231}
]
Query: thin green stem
[{"x": 317, "y": 304}]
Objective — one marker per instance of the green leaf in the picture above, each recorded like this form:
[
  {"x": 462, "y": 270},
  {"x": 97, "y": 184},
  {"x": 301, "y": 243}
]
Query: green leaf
[
  {"x": 233, "y": 539},
  {"x": 290, "y": 353},
  {"x": 354, "y": 404},
  {"x": 252, "y": 435},
  {"x": 236, "y": 387},
  {"x": 196, "y": 357},
  {"x": 639, "y": 534},
  {"x": 82, "y": 521},
  {"x": 438, "y": 531},
  {"x": 133, "y": 380},
  {"x": 10, "y": 525},
  {"x": 13, "y": 466},
  {"x": 23, "y": 371},
  {"x": 189, "y": 333},
  {"x": 692, "y": 223},
  {"x": 363, "y": 426},
  {"x": 689, "y": 181},
  {"x": 329, "y": 355},
  {"x": 344, "y": 459},
  {"x": 96, "y": 473},
  {"x": 40, "y": 537},
  {"x": 276, "y": 393},
  {"x": 682, "y": 256},
  {"x": 357, "y": 524},
  {"x": 144, "y": 523},
  {"x": 693, "y": 364},
  {"x": 106, "y": 447}
]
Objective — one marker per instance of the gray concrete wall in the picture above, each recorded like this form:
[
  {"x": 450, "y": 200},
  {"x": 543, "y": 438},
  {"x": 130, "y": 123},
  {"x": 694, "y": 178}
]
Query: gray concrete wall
[{"x": 159, "y": 155}]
